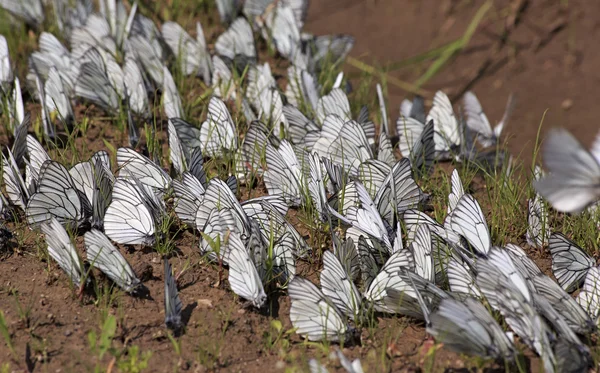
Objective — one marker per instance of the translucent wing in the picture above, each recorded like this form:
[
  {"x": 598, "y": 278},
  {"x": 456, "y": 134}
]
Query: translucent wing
[
  {"x": 135, "y": 90},
  {"x": 398, "y": 193},
  {"x": 336, "y": 102},
  {"x": 469, "y": 328},
  {"x": 171, "y": 99},
  {"x": 129, "y": 219},
  {"x": 575, "y": 316},
  {"x": 477, "y": 120},
  {"x": 589, "y": 297},
  {"x": 574, "y": 180},
  {"x": 16, "y": 189},
  {"x": 62, "y": 250},
  {"x": 56, "y": 98},
  {"x": 189, "y": 193},
  {"x": 538, "y": 229},
  {"x": 218, "y": 133},
  {"x": 237, "y": 41},
  {"x": 447, "y": 134},
  {"x": 337, "y": 285},
  {"x": 134, "y": 165},
  {"x": 312, "y": 314},
  {"x": 57, "y": 197},
  {"x": 422, "y": 252},
  {"x": 408, "y": 130},
  {"x": 104, "y": 256},
  {"x": 6, "y": 74},
  {"x": 173, "y": 304},
  {"x": 461, "y": 280},
  {"x": 385, "y": 152},
  {"x": 457, "y": 191},
  {"x": 383, "y": 111},
  {"x": 468, "y": 220},
  {"x": 570, "y": 263},
  {"x": 422, "y": 154},
  {"x": 243, "y": 276}
]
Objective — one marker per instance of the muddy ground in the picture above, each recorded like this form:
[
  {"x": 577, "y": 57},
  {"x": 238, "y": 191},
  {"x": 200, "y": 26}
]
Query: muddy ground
[{"x": 543, "y": 51}]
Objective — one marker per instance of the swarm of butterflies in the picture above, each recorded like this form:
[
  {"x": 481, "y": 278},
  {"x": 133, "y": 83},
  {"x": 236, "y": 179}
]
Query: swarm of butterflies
[{"x": 387, "y": 255}]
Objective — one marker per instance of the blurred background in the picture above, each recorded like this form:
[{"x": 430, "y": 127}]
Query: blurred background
[{"x": 546, "y": 52}]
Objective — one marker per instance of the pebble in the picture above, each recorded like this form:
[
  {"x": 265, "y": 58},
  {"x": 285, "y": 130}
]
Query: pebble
[
  {"x": 280, "y": 364},
  {"x": 567, "y": 104},
  {"x": 68, "y": 333}
]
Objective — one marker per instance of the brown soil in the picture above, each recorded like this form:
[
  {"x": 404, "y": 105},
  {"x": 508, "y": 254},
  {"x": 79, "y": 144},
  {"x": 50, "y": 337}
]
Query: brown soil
[
  {"x": 549, "y": 60},
  {"x": 548, "y": 57}
]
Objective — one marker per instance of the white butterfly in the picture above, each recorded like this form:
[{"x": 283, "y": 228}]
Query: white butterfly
[
  {"x": 447, "y": 134},
  {"x": 468, "y": 220},
  {"x": 538, "y": 229},
  {"x": 173, "y": 303},
  {"x": 574, "y": 179},
  {"x": 456, "y": 192},
  {"x": 338, "y": 286},
  {"x": 62, "y": 250},
  {"x": 570, "y": 263},
  {"x": 564, "y": 305},
  {"x": 399, "y": 192},
  {"x": 467, "y": 327},
  {"x": 17, "y": 191},
  {"x": 302, "y": 88},
  {"x": 243, "y": 276},
  {"x": 135, "y": 89},
  {"x": 589, "y": 296},
  {"x": 192, "y": 54},
  {"x": 224, "y": 84},
  {"x": 133, "y": 214},
  {"x": 283, "y": 175},
  {"x": 100, "y": 82},
  {"x": 228, "y": 9},
  {"x": 31, "y": 11},
  {"x": 506, "y": 290},
  {"x": 133, "y": 165},
  {"x": 6, "y": 73},
  {"x": 278, "y": 26},
  {"x": 478, "y": 122},
  {"x": 237, "y": 43},
  {"x": 103, "y": 255},
  {"x": 57, "y": 197},
  {"x": 56, "y": 99},
  {"x": 94, "y": 180},
  {"x": 313, "y": 314},
  {"x": 171, "y": 100},
  {"x": 53, "y": 54},
  {"x": 383, "y": 111},
  {"x": 218, "y": 133},
  {"x": 336, "y": 102}
]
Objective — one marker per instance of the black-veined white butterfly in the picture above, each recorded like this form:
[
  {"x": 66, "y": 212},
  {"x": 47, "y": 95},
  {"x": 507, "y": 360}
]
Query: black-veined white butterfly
[
  {"x": 243, "y": 276},
  {"x": 574, "y": 173},
  {"x": 133, "y": 214},
  {"x": 63, "y": 251},
  {"x": 467, "y": 220},
  {"x": 218, "y": 133},
  {"x": 57, "y": 197},
  {"x": 173, "y": 303},
  {"x": 192, "y": 54},
  {"x": 478, "y": 122},
  {"x": 467, "y": 327},
  {"x": 101, "y": 253},
  {"x": 538, "y": 229},
  {"x": 570, "y": 263},
  {"x": 314, "y": 315},
  {"x": 237, "y": 43}
]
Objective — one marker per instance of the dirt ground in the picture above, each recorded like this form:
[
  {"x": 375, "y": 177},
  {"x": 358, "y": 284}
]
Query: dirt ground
[
  {"x": 543, "y": 51},
  {"x": 548, "y": 57}
]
